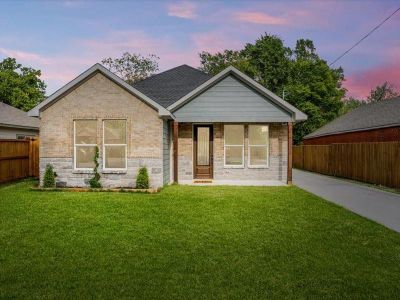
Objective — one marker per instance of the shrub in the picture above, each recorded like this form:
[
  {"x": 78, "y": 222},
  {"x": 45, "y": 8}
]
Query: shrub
[
  {"x": 95, "y": 180},
  {"x": 142, "y": 179},
  {"x": 49, "y": 179}
]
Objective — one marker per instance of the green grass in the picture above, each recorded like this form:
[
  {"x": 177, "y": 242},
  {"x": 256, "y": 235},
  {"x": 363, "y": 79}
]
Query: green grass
[{"x": 191, "y": 242}]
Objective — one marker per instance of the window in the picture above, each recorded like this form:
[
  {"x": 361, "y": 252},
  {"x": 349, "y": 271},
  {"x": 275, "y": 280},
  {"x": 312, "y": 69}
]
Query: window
[
  {"x": 234, "y": 145},
  {"x": 258, "y": 145},
  {"x": 85, "y": 142},
  {"x": 114, "y": 144}
]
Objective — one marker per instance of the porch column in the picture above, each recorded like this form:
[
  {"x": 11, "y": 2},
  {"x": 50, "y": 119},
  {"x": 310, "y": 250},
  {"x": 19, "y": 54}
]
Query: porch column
[
  {"x": 175, "y": 138},
  {"x": 289, "y": 151}
]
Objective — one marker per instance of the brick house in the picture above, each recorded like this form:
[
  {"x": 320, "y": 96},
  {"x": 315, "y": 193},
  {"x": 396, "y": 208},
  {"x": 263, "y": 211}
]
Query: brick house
[
  {"x": 374, "y": 122},
  {"x": 184, "y": 125}
]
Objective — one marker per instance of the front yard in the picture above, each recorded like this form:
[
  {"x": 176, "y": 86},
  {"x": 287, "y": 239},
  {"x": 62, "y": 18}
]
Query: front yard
[{"x": 191, "y": 242}]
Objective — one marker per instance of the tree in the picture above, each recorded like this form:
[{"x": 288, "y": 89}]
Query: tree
[
  {"x": 383, "y": 92},
  {"x": 132, "y": 67},
  {"x": 20, "y": 86},
  {"x": 350, "y": 104},
  {"x": 306, "y": 80}
]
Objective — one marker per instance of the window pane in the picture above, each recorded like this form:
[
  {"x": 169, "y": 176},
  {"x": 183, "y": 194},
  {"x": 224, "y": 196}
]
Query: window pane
[
  {"x": 85, "y": 131},
  {"x": 203, "y": 146},
  {"x": 234, "y": 134},
  {"x": 85, "y": 156},
  {"x": 115, "y": 157},
  {"x": 258, "y": 156},
  {"x": 234, "y": 155},
  {"x": 258, "y": 134},
  {"x": 115, "y": 131}
]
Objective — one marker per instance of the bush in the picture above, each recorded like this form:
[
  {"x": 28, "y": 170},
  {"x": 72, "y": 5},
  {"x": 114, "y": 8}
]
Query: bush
[
  {"x": 95, "y": 181},
  {"x": 142, "y": 179},
  {"x": 49, "y": 180}
]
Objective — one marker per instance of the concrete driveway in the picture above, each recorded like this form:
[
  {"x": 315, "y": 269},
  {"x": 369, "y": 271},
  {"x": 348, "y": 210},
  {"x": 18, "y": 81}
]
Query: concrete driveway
[{"x": 380, "y": 206}]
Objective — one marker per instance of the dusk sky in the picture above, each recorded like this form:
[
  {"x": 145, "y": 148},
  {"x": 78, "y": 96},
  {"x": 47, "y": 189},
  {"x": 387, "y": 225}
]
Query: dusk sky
[{"x": 64, "y": 38}]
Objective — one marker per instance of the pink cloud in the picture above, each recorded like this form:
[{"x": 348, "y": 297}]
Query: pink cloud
[
  {"x": 214, "y": 42},
  {"x": 185, "y": 10},
  {"x": 260, "y": 18},
  {"x": 25, "y": 56},
  {"x": 359, "y": 84}
]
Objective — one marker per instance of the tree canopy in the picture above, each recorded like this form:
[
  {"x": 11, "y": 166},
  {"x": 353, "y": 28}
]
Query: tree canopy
[
  {"x": 298, "y": 75},
  {"x": 132, "y": 67},
  {"x": 383, "y": 92},
  {"x": 20, "y": 86}
]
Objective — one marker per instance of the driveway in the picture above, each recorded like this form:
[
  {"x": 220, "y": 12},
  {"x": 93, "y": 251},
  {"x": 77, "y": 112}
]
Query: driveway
[{"x": 380, "y": 206}]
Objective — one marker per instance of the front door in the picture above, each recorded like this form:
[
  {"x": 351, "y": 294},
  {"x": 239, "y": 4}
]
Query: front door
[{"x": 203, "y": 151}]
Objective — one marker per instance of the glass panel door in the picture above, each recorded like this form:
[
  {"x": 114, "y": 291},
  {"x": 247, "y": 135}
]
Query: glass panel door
[{"x": 203, "y": 146}]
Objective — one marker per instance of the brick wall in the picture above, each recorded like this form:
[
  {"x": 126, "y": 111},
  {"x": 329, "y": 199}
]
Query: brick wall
[
  {"x": 100, "y": 98},
  {"x": 277, "y": 169}
]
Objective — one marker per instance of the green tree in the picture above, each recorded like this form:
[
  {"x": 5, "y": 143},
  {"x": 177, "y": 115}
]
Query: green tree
[
  {"x": 20, "y": 86},
  {"x": 350, "y": 104},
  {"x": 132, "y": 67},
  {"x": 299, "y": 75},
  {"x": 383, "y": 92}
]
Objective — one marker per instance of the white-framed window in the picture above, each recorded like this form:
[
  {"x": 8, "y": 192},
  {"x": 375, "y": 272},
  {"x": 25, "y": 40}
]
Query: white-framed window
[
  {"x": 234, "y": 146},
  {"x": 85, "y": 142},
  {"x": 258, "y": 150},
  {"x": 114, "y": 145}
]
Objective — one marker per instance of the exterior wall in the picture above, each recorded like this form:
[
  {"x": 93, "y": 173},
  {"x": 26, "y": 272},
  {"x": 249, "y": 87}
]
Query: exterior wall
[
  {"x": 367, "y": 136},
  {"x": 166, "y": 152},
  {"x": 100, "y": 98},
  {"x": 230, "y": 100},
  {"x": 12, "y": 133},
  {"x": 277, "y": 169}
]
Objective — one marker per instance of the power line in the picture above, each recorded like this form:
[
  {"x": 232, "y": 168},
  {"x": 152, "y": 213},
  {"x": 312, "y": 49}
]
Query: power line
[{"x": 365, "y": 36}]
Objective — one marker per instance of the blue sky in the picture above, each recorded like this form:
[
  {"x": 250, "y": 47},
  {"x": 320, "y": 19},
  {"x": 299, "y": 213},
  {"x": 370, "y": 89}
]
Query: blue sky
[{"x": 64, "y": 38}]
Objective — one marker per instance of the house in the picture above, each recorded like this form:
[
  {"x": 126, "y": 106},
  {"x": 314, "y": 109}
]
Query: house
[
  {"x": 375, "y": 122},
  {"x": 15, "y": 123},
  {"x": 182, "y": 124}
]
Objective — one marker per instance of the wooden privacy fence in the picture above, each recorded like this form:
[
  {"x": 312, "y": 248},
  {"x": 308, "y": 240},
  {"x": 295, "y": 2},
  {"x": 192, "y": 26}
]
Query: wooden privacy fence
[
  {"x": 377, "y": 163},
  {"x": 19, "y": 159}
]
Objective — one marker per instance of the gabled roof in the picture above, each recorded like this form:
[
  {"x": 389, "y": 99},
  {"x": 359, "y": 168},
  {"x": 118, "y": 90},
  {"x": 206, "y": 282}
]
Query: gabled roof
[
  {"x": 167, "y": 87},
  {"x": 97, "y": 68},
  {"x": 297, "y": 114},
  {"x": 369, "y": 116},
  {"x": 14, "y": 117}
]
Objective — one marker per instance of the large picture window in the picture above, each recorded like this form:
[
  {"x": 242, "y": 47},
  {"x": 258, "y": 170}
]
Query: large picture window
[
  {"x": 234, "y": 145},
  {"x": 114, "y": 144},
  {"x": 85, "y": 142},
  {"x": 258, "y": 145}
]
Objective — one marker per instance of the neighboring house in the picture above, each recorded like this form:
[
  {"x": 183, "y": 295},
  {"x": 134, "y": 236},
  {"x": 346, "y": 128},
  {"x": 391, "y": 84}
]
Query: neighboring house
[
  {"x": 182, "y": 124},
  {"x": 375, "y": 122},
  {"x": 15, "y": 123}
]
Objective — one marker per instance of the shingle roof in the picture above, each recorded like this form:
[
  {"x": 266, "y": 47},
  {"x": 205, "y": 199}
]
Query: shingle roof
[
  {"x": 11, "y": 116},
  {"x": 375, "y": 115},
  {"x": 167, "y": 87}
]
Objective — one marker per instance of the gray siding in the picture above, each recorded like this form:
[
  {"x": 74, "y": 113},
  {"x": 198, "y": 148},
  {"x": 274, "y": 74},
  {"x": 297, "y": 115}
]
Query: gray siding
[
  {"x": 166, "y": 153},
  {"x": 230, "y": 100}
]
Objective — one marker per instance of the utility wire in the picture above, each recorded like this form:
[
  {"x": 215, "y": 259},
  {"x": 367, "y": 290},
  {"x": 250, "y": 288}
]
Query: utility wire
[{"x": 365, "y": 36}]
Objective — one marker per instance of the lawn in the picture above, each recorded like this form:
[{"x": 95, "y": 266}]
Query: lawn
[{"x": 191, "y": 242}]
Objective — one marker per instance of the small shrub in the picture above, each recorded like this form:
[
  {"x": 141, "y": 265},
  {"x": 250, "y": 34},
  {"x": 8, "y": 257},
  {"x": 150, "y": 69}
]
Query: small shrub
[
  {"x": 142, "y": 179},
  {"x": 95, "y": 180},
  {"x": 49, "y": 179}
]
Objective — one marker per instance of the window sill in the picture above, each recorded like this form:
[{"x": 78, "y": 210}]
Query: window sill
[
  {"x": 258, "y": 167},
  {"x": 114, "y": 171},
  {"x": 233, "y": 167},
  {"x": 82, "y": 172}
]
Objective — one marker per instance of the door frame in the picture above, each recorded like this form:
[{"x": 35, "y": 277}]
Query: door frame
[{"x": 211, "y": 148}]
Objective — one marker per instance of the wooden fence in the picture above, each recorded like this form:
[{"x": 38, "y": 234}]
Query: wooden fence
[
  {"x": 19, "y": 159},
  {"x": 377, "y": 163}
]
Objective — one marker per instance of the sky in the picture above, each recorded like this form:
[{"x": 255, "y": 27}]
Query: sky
[{"x": 64, "y": 38}]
